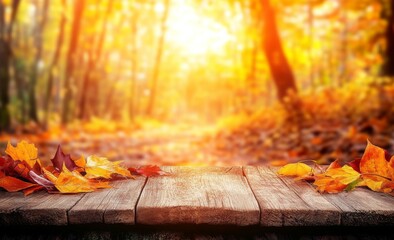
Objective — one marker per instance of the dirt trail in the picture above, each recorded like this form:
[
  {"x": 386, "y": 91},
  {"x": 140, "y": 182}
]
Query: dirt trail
[{"x": 165, "y": 145}]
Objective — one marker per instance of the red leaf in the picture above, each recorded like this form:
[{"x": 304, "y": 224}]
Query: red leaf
[
  {"x": 31, "y": 190},
  {"x": 12, "y": 184},
  {"x": 334, "y": 165},
  {"x": 17, "y": 169},
  {"x": 2, "y": 161},
  {"x": 60, "y": 158},
  {"x": 147, "y": 171},
  {"x": 355, "y": 164}
]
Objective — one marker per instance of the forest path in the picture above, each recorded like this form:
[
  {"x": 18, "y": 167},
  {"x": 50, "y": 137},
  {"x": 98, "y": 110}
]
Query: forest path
[{"x": 162, "y": 145}]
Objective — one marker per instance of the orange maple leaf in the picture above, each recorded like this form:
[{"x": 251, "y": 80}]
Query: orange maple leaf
[
  {"x": 328, "y": 184},
  {"x": 374, "y": 161},
  {"x": 375, "y": 169},
  {"x": 23, "y": 151}
]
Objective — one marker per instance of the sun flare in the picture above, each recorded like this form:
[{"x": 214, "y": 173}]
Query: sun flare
[{"x": 192, "y": 32}]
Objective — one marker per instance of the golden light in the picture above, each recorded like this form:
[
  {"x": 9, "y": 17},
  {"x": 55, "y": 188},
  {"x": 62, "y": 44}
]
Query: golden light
[{"x": 192, "y": 32}]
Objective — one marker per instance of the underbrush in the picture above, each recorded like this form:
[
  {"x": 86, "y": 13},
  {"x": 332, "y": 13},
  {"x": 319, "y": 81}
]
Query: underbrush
[{"x": 321, "y": 126}]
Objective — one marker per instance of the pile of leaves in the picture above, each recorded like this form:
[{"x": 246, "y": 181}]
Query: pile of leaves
[
  {"x": 22, "y": 170},
  {"x": 324, "y": 126},
  {"x": 374, "y": 170}
]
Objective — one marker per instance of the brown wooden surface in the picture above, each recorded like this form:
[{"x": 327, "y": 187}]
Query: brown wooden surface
[
  {"x": 207, "y": 195},
  {"x": 326, "y": 213},
  {"x": 281, "y": 206},
  {"x": 115, "y": 205},
  {"x": 196, "y": 196},
  {"x": 362, "y": 207},
  {"x": 37, "y": 209}
]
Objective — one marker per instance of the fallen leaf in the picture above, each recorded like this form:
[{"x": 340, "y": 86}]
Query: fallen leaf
[
  {"x": 388, "y": 187},
  {"x": 100, "y": 167},
  {"x": 374, "y": 161},
  {"x": 353, "y": 184},
  {"x": 31, "y": 190},
  {"x": 23, "y": 152},
  {"x": 41, "y": 180},
  {"x": 328, "y": 184},
  {"x": 61, "y": 159},
  {"x": 334, "y": 165},
  {"x": 355, "y": 164},
  {"x": 12, "y": 184},
  {"x": 391, "y": 168},
  {"x": 74, "y": 182},
  {"x": 148, "y": 171},
  {"x": 371, "y": 184},
  {"x": 295, "y": 169},
  {"x": 344, "y": 175},
  {"x": 81, "y": 162}
]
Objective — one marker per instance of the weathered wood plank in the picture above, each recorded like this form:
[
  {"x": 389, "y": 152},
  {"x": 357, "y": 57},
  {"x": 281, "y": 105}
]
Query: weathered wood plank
[
  {"x": 37, "y": 209},
  {"x": 281, "y": 205},
  {"x": 362, "y": 207},
  {"x": 198, "y": 196},
  {"x": 114, "y": 205},
  {"x": 329, "y": 214}
]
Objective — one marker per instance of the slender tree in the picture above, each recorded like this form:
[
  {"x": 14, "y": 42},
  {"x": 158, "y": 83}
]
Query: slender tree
[
  {"x": 388, "y": 66},
  {"x": 5, "y": 60},
  {"x": 156, "y": 68},
  {"x": 93, "y": 58},
  {"x": 38, "y": 42},
  {"x": 70, "y": 58},
  {"x": 54, "y": 64},
  {"x": 134, "y": 55},
  {"x": 280, "y": 69}
]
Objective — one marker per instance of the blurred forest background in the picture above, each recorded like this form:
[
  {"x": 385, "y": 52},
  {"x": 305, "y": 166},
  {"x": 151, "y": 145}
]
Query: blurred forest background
[{"x": 198, "y": 82}]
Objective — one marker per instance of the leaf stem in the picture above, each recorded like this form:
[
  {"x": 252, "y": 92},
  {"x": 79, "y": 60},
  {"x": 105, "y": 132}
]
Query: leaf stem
[{"x": 315, "y": 165}]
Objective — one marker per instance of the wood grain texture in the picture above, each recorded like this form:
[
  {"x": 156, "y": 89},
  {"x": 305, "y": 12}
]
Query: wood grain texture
[
  {"x": 198, "y": 196},
  {"x": 328, "y": 213},
  {"x": 281, "y": 206},
  {"x": 114, "y": 205},
  {"x": 362, "y": 207},
  {"x": 37, "y": 209}
]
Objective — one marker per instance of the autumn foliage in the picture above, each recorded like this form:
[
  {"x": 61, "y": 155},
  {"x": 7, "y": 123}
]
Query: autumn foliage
[
  {"x": 374, "y": 170},
  {"x": 22, "y": 170}
]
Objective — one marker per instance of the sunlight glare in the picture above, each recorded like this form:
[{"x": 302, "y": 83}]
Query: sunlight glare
[{"x": 194, "y": 33}]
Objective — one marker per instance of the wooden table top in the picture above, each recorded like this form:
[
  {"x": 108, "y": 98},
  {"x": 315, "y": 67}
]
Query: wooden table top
[{"x": 241, "y": 196}]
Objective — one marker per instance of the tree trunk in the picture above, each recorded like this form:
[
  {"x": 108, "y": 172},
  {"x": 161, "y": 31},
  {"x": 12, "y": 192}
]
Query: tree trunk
[
  {"x": 5, "y": 54},
  {"x": 5, "y": 59},
  {"x": 70, "y": 59},
  {"x": 156, "y": 70},
  {"x": 94, "y": 56},
  {"x": 388, "y": 67},
  {"x": 38, "y": 42},
  {"x": 280, "y": 68},
  {"x": 53, "y": 65},
  {"x": 134, "y": 54}
]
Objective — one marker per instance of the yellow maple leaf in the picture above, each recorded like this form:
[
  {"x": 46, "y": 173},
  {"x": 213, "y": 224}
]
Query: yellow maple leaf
[
  {"x": 295, "y": 169},
  {"x": 344, "y": 175},
  {"x": 23, "y": 152},
  {"x": 100, "y": 167},
  {"x": 373, "y": 185},
  {"x": 73, "y": 182}
]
